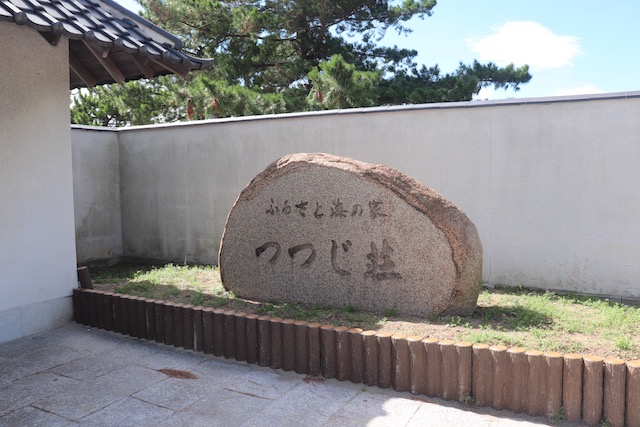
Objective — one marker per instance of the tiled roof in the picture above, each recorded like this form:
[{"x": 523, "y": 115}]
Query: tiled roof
[{"x": 107, "y": 43}]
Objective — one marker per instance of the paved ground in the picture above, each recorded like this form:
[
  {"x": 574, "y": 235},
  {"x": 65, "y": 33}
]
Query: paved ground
[{"x": 82, "y": 376}]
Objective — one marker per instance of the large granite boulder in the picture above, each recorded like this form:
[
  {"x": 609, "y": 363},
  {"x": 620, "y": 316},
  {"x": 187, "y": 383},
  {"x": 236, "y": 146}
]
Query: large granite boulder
[{"x": 328, "y": 230}]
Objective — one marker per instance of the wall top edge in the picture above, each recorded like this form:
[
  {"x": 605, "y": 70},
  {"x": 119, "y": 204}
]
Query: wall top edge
[
  {"x": 388, "y": 108},
  {"x": 95, "y": 128}
]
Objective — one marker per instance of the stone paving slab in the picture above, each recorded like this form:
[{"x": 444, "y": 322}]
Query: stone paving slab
[
  {"x": 307, "y": 404},
  {"x": 79, "y": 376},
  {"x": 128, "y": 412},
  {"x": 377, "y": 407},
  {"x": 176, "y": 394},
  {"x": 452, "y": 416},
  {"x": 30, "y": 416},
  {"x": 168, "y": 356},
  {"x": 129, "y": 380},
  {"x": 222, "y": 408},
  {"x": 30, "y": 389},
  {"x": 77, "y": 402},
  {"x": 39, "y": 359},
  {"x": 264, "y": 383},
  {"x": 90, "y": 367}
]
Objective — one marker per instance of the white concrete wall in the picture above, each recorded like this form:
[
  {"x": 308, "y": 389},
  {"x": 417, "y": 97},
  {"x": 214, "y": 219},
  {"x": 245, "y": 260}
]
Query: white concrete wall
[
  {"x": 37, "y": 248},
  {"x": 96, "y": 172},
  {"x": 551, "y": 184}
]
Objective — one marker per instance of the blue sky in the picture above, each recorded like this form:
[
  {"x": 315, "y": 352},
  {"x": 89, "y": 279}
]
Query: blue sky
[{"x": 572, "y": 46}]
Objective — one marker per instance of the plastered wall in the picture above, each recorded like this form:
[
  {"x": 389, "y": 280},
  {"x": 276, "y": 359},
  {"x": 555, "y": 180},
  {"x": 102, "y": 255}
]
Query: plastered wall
[
  {"x": 551, "y": 184},
  {"x": 37, "y": 248},
  {"x": 96, "y": 172}
]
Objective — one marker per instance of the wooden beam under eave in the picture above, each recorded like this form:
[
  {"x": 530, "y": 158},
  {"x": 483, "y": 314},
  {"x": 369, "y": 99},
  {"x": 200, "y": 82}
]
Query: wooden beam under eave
[
  {"x": 80, "y": 71},
  {"x": 176, "y": 69},
  {"x": 108, "y": 65},
  {"x": 143, "y": 66}
]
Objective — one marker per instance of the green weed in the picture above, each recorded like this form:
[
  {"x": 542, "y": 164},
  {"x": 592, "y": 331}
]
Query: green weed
[
  {"x": 625, "y": 343},
  {"x": 467, "y": 399},
  {"x": 390, "y": 312},
  {"x": 197, "y": 299},
  {"x": 457, "y": 321}
]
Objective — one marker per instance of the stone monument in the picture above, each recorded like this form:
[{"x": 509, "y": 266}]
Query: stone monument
[{"x": 328, "y": 230}]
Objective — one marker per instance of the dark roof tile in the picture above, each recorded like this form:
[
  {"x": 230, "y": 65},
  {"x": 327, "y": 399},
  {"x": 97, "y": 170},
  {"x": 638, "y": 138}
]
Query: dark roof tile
[
  {"x": 48, "y": 17},
  {"x": 86, "y": 22},
  {"x": 10, "y": 6},
  {"x": 130, "y": 43},
  {"x": 70, "y": 6},
  {"x": 37, "y": 21},
  {"x": 54, "y": 12},
  {"x": 69, "y": 30},
  {"x": 22, "y": 5},
  {"x": 99, "y": 30}
]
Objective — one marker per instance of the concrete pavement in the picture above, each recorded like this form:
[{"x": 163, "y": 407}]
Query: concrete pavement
[{"x": 79, "y": 376}]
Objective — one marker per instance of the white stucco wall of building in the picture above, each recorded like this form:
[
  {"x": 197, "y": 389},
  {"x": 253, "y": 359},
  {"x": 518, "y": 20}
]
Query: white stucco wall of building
[{"x": 37, "y": 247}]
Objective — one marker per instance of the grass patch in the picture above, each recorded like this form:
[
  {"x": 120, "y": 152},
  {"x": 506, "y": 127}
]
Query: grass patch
[
  {"x": 507, "y": 316},
  {"x": 185, "y": 284}
]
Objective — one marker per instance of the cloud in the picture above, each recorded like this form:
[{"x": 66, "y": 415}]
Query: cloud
[
  {"x": 578, "y": 90},
  {"x": 486, "y": 93},
  {"x": 525, "y": 42}
]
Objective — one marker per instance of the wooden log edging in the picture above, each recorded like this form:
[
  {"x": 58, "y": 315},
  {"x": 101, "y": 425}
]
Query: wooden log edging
[{"x": 587, "y": 388}]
